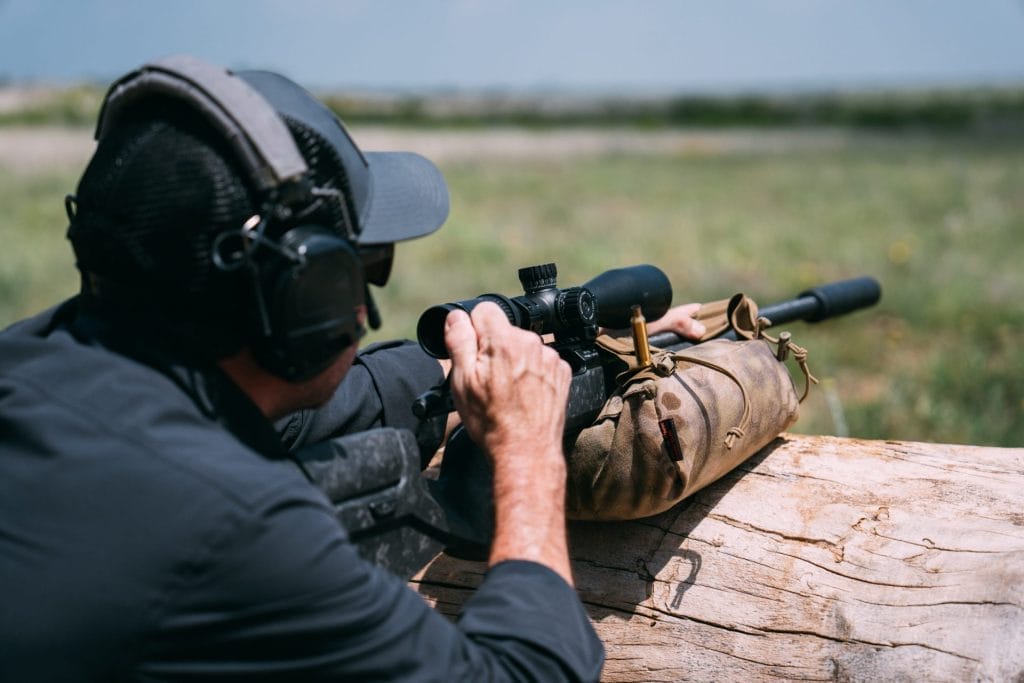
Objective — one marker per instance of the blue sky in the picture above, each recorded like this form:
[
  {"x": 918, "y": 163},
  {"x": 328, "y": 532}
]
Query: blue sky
[{"x": 645, "y": 45}]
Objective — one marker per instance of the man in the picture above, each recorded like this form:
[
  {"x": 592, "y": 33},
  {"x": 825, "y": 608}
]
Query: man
[{"x": 152, "y": 524}]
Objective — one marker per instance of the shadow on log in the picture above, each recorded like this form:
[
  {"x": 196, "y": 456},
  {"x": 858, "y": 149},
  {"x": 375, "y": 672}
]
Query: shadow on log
[{"x": 819, "y": 559}]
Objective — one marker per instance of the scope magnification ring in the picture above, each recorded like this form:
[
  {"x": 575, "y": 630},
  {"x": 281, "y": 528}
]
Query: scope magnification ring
[{"x": 577, "y": 308}]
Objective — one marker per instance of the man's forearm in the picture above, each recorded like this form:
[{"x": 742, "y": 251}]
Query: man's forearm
[{"x": 529, "y": 502}]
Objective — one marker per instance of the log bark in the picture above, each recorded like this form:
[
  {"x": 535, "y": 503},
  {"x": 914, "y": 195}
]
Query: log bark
[{"x": 819, "y": 559}]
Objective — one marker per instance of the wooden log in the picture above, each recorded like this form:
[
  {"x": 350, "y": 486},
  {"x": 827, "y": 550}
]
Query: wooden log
[{"x": 819, "y": 559}]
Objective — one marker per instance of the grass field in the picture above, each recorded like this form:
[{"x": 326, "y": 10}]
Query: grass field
[{"x": 939, "y": 220}]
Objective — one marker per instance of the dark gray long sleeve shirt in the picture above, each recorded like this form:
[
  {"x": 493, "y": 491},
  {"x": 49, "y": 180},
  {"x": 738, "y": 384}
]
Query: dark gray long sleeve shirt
[{"x": 143, "y": 537}]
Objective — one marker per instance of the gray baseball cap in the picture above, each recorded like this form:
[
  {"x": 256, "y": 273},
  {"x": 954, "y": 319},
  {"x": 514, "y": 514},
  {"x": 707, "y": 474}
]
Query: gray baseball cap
[{"x": 397, "y": 195}]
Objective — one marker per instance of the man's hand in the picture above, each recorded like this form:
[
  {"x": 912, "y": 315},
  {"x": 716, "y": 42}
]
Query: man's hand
[
  {"x": 507, "y": 385},
  {"x": 679, "y": 319},
  {"x": 511, "y": 391}
]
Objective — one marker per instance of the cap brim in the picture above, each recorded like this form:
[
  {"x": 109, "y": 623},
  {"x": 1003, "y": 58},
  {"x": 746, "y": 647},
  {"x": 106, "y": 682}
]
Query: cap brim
[
  {"x": 408, "y": 198},
  {"x": 399, "y": 195}
]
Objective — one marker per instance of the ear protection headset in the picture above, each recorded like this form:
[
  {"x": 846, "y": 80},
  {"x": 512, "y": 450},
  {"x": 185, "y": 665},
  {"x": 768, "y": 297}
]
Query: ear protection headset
[{"x": 307, "y": 280}]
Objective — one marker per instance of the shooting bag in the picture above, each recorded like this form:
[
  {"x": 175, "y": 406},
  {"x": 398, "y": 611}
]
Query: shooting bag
[{"x": 684, "y": 421}]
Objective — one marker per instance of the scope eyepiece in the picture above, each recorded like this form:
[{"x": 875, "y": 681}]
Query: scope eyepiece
[{"x": 430, "y": 328}]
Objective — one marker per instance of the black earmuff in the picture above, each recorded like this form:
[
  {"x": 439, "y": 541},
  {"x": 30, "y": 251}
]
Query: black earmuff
[
  {"x": 308, "y": 281},
  {"x": 312, "y": 291}
]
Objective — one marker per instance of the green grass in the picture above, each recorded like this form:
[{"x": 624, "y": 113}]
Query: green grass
[
  {"x": 939, "y": 221},
  {"x": 36, "y": 263}
]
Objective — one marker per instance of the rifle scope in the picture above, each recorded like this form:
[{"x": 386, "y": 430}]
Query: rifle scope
[{"x": 604, "y": 301}]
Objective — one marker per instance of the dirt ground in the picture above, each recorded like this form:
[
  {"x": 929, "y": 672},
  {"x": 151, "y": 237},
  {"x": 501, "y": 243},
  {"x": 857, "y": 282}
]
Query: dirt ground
[
  {"x": 40, "y": 147},
  {"x": 30, "y": 149}
]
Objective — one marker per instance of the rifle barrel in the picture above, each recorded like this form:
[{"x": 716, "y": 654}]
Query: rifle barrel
[{"x": 813, "y": 305}]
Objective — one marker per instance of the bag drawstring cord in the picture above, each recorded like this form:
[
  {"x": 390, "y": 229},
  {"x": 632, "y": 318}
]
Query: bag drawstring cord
[
  {"x": 785, "y": 346},
  {"x": 736, "y": 432}
]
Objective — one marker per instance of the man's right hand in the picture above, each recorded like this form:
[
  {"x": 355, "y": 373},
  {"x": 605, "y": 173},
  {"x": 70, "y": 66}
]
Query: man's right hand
[{"x": 511, "y": 391}]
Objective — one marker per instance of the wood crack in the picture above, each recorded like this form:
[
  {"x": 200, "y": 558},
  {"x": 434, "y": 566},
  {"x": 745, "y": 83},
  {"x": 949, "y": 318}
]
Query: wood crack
[
  {"x": 860, "y": 579},
  {"x": 860, "y": 641},
  {"x": 746, "y": 526},
  {"x": 928, "y": 544}
]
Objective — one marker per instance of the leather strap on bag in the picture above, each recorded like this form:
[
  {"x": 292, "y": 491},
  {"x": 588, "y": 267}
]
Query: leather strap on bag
[
  {"x": 715, "y": 316},
  {"x": 738, "y": 312}
]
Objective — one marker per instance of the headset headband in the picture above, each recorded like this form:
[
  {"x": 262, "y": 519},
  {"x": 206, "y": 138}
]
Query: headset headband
[{"x": 246, "y": 120}]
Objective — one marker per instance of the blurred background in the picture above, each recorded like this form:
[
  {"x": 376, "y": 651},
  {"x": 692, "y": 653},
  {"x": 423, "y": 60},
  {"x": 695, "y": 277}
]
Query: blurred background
[{"x": 739, "y": 146}]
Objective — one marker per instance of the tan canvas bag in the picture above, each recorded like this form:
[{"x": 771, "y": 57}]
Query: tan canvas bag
[{"x": 678, "y": 425}]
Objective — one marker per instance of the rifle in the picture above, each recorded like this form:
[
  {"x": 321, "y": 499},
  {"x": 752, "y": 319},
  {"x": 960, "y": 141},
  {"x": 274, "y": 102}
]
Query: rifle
[
  {"x": 575, "y": 315},
  {"x": 400, "y": 519}
]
